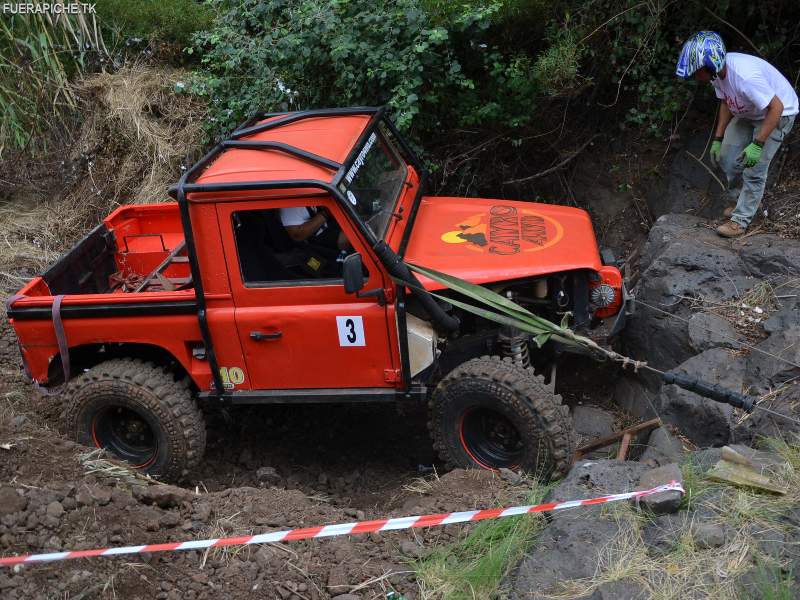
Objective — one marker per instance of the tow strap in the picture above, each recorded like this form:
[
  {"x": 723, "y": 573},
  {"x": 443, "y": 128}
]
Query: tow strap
[
  {"x": 61, "y": 336},
  {"x": 61, "y": 341}
]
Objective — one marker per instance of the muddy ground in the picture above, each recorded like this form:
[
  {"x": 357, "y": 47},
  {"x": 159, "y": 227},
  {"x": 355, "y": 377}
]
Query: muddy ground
[{"x": 54, "y": 496}]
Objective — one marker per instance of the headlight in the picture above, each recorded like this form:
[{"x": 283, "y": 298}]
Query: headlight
[
  {"x": 605, "y": 292},
  {"x": 603, "y": 295}
]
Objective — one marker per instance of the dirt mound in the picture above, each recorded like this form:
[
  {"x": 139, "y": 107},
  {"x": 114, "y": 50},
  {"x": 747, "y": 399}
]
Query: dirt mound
[
  {"x": 57, "y": 495},
  {"x": 128, "y": 144}
]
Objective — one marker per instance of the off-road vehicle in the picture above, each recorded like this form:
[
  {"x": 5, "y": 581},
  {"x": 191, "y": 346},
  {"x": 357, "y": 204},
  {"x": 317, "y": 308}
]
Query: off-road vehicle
[{"x": 209, "y": 301}]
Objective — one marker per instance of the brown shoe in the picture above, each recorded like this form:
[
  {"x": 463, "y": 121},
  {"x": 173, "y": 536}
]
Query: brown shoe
[
  {"x": 731, "y": 229},
  {"x": 728, "y": 212}
]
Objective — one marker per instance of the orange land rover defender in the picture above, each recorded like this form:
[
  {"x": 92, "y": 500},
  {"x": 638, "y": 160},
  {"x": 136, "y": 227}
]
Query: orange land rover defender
[{"x": 210, "y": 301}]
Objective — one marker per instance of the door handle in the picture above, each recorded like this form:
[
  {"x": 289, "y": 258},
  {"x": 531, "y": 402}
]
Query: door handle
[{"x": 259, "y": 336}]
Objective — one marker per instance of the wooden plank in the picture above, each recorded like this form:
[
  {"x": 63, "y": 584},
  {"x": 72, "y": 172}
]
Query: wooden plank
[
  {"x": 610, "y": 439},
  {"x": 624, "y": 445}
]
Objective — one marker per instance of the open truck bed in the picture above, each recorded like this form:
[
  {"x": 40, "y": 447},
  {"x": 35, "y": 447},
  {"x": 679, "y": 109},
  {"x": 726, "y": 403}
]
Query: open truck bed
[
  {"x": 117, "y": 255},
  {"x": 105, "y": 276}
]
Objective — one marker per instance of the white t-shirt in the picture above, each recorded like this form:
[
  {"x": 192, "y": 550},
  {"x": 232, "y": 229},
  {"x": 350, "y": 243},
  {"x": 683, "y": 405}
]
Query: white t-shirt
[
  {"x": 297, "y": 215},
  {"x": 750, "y": 84}
]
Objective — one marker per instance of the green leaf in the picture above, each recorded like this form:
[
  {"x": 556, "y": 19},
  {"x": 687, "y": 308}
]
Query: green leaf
[
  {"x": 489, "y": 298},
  {"x": 478, "y": 292}
]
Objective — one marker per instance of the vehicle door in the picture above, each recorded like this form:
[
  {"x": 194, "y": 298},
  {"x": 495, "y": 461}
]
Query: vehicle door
[{"x": 297, "y": 326}]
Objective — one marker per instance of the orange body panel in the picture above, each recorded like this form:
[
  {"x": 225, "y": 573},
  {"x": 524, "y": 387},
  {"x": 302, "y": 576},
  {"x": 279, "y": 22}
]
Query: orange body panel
[
  {"x": 308, "y": 353},
  {"x": 484, "y": 241}
]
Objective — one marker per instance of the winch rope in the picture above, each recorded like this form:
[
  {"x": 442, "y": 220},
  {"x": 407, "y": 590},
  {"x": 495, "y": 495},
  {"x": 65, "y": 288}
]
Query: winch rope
[{"x": 733, "y": 340}]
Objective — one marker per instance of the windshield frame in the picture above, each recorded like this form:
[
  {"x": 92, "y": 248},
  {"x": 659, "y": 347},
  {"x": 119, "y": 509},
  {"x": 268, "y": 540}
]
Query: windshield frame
[
  {"x": 411, "y": 159},
  {"x": 377, "y": 135}
]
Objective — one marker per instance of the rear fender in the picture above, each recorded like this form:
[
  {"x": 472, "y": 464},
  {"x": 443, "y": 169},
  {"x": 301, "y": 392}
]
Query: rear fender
[{"x": 88, "y": 355}]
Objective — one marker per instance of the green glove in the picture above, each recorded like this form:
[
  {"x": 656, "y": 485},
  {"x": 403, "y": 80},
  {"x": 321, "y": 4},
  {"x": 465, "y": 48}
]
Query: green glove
[
  {"x": 713, "y": 154},
  {"x": 751, "y": 155}
]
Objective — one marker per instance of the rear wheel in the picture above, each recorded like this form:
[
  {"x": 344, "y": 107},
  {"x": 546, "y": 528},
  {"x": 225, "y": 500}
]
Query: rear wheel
[
  {"x": 492, "y": 413},
  {"x": 140, "y": 413}
]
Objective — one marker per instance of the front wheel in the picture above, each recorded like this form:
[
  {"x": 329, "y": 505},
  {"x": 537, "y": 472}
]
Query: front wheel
[
  {"x": 140, "y": 413},
  {"x": 493, "y": 413}
]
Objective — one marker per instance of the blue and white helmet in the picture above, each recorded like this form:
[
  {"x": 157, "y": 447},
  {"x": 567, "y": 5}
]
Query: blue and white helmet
[{"x": 703, "y": 49}]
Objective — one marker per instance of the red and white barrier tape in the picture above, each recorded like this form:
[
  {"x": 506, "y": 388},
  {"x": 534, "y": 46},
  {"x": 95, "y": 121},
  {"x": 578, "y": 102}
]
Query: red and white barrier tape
[{"x": 340, "y": 529}]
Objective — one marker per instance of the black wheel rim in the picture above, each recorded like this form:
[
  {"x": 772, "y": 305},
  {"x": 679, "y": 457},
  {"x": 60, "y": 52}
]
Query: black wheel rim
[
  {"x": 491, "y": 439},
  {"x": 126, "y": 433}
]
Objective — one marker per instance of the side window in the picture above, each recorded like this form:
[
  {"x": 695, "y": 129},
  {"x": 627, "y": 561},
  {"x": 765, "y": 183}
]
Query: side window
[{"x": 302, "y": 244}]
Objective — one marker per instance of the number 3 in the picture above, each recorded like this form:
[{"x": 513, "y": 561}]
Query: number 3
[
  {"x": 351, "y": 335},
  {"x": 351, "y": 331}
]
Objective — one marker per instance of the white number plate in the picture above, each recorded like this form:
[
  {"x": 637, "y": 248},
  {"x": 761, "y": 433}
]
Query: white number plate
[{"x": 351, "y": 331}]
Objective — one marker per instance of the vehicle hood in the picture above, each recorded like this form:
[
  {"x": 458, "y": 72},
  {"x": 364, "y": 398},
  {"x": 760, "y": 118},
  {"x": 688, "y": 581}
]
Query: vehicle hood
[{"x": 485, "y": 241}]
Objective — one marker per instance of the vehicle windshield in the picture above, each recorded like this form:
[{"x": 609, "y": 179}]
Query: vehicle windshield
[{"x": 373, "y": 182}]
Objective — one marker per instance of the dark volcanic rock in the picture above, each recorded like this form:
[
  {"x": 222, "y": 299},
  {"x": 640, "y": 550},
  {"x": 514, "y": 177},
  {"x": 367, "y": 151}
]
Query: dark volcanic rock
[
  {"x": 685, "y": 265},
  {"x": 662, "y": 448},
  {"x": 661, "y": 502},
  {"x": 704, "y": 421},
  {"x": 568, "y": 548}
]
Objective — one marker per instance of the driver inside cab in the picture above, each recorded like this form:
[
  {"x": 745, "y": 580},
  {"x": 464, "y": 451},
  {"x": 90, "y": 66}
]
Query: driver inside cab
[{"x": 315, "y": 225}]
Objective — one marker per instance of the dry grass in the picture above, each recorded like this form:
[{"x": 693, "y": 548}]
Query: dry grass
[
  {"x": 135, "y": 135},
  {"x": 750, "y": 308},
  {"x": 687, "y": 570},
  {"x": 98, "y": 462},
  {"x": 137, "y": 111}
]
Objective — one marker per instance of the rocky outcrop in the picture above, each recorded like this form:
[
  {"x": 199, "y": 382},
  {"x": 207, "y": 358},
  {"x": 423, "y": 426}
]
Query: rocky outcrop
[
  {"x": 686, "y": 271},
  {"x": 623, "y": 551}
]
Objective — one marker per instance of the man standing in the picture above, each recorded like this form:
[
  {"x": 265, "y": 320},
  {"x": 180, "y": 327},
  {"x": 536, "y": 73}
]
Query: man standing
[{"x": 756, "y": 112}]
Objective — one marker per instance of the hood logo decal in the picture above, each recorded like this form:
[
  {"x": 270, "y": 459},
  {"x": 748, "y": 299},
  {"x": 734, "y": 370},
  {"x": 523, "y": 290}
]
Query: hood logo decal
[{"x": 508, "y": 231}]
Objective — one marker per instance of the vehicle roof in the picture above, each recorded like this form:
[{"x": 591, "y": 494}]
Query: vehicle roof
[{"x": 331, "y": 137}]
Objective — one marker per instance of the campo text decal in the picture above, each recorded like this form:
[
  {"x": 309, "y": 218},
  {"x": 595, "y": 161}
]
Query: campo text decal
[{"x": 506, "y": 230}]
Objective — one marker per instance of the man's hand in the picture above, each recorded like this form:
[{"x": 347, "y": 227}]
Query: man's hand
[
  {"x": 714, "y": 153},
  {"x": 751, "y": 155}
]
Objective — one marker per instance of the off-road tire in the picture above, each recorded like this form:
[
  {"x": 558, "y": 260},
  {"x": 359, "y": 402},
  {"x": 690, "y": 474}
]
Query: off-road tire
[
  {"x": 493, "y": 383},
  {"x": 166, "y": 404}
]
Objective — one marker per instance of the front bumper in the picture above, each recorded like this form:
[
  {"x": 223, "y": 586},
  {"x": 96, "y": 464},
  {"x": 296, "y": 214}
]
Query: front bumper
[
  {"x": 627, "y": 308},
  {"x": 606, "y": 332}
]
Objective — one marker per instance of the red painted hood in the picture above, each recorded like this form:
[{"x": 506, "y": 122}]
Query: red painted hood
[{"x": 485, "y": 241}]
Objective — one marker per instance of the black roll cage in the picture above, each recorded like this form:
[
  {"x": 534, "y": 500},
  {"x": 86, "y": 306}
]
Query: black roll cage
[{"x": 186, "y": 185}]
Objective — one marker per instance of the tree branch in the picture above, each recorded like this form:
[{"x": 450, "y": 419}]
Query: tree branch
[{"x": 555, "y": 167}]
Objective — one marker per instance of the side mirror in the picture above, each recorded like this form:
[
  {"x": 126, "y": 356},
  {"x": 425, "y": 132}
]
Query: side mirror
[{"x": 353, "y": 273}]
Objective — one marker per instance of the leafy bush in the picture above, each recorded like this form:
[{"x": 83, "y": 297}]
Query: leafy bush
[
  {"x": 303, "y": 53},
  {"x": 486, "y": 67}
]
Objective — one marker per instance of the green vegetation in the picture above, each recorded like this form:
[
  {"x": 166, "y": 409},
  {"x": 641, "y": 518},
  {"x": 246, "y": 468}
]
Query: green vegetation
[
  {"x": 771, "y": 583},
  {"x": 38, "y": 56},
  {"x": 499, "y": 64},
  {"x": 279, "y": 55},
  {"x": 164, "y": 21},
  {"x": 475, "y": 567}
]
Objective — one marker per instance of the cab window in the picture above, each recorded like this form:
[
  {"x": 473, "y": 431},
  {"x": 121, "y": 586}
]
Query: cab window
[{"x": 302, "y": 244}]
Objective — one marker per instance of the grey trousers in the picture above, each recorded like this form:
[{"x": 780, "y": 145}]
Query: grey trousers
[{"x": 738, "y": 135}]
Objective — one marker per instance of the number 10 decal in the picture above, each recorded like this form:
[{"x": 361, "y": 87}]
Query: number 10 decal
[{"x": 351, "y": 331}]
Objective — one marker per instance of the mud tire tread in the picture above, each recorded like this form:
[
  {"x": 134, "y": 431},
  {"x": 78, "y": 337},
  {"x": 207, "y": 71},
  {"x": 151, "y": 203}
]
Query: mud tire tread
[
  {"x": 156, "y": 390},
  {"x": 522, "y": 393}
]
